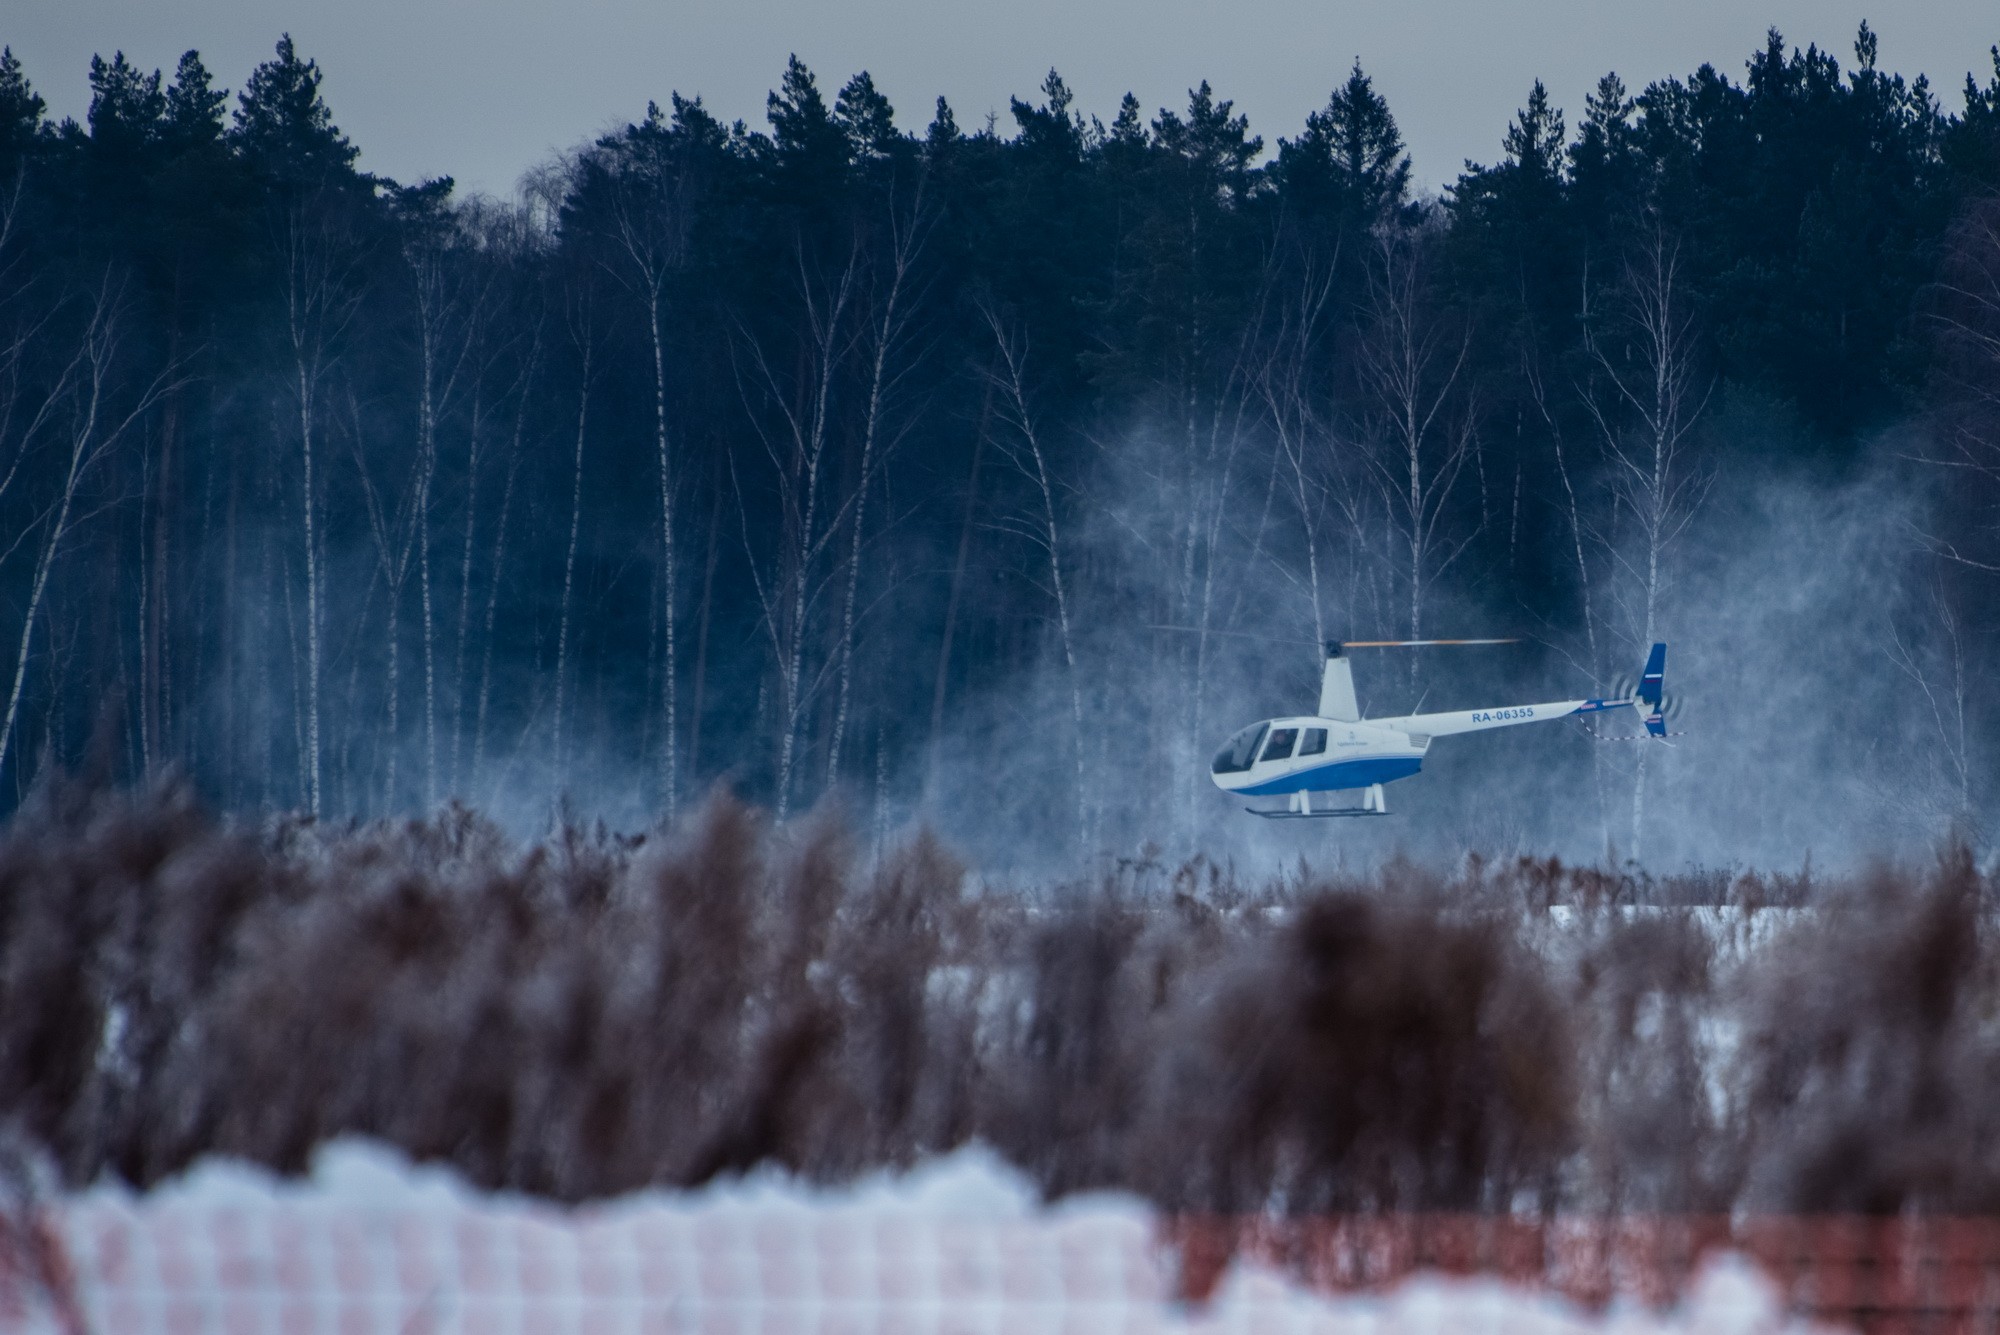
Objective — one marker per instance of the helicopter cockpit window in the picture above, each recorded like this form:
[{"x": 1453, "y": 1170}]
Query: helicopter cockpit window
[
  {"x": 1280, "y": 745},
  {"x": 1314, "y": 743},
  {"x": 1240, "y": 751}
]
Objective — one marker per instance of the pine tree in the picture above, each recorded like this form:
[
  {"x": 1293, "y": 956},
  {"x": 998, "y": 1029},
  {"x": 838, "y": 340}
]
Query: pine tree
[
  {"x": 1970, "y": 143},
  {"x": 943, "y": 130},
  {"x": 1514, "y": 231},
  {"x": 802, "y": 129},
  {"x": 127, "y": 108},
  {"x": 867, "y": 119},
  {"x": 1217, "y": 147},
  {"x": 284, "y": 128},
  {"x": 21, "y": 111},
  {"x": 193, "y": 105},
  {"x": 1349, "y": 164},
  {"x": 1051, "y": 134},
  {"x": 1128, "y": 129},
  {"x": 1607, "y": 170},
  {"x": 1534, "y": 142}
]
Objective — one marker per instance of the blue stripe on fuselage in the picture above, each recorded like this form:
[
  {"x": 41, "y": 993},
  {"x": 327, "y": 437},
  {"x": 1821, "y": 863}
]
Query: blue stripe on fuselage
[{"x": 1341, "y": 774}]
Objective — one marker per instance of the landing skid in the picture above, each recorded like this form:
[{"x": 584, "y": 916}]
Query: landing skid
[
  {"x": 1314, "y": 815},
  {"x": 1301, "y": 807}
]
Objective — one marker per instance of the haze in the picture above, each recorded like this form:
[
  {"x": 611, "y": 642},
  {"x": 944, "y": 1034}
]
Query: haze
[{"x": 482, "y": 90}]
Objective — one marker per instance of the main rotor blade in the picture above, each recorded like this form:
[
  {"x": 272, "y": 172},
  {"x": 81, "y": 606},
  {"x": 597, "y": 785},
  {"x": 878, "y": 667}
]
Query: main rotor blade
[
  {"x": 1237, "y": 634},
  {"x": 1345, "y": 644},
  {"x": 1414, "y": 644}
]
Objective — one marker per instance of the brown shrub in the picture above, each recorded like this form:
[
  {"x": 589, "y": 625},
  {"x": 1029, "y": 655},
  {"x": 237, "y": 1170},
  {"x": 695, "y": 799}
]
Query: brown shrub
[{"x": 593, "y": 1013}]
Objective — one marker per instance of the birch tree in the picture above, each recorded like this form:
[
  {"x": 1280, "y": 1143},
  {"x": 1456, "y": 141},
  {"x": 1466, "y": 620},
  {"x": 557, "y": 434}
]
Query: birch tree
[
  {"x": 908, "y": 220},
  {"x": 1647, "y": 394},
  {"x": 1022, "y": 447},
  {"x": 791, "y": 416},
  {"x": 1415, "y": 422},
  {"x": 497, "y": 345},
  {"x": 651, "y": 194},
  {"x": 394, "y": 527},
  {"x": 24, "y": 334},
  {"x": 286, "y": 134},
  {"x": 523, "y": 390},
  {"x": 581, "y": 319},
  {"x": 1204, "y": 291},
  {"x": 447, "y": 312},
  {"x": 320, "y": 273},
  {"x": 1285, "y": 382},
  {"x": 1967, "y": 318},
  {"x": 77, "y": 409},
  {"x": 1935, "y": 657}
]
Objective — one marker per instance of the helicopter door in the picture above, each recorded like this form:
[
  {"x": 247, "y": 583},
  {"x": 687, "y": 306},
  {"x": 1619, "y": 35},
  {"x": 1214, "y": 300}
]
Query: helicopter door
[{"x": 1281, "y": 744}]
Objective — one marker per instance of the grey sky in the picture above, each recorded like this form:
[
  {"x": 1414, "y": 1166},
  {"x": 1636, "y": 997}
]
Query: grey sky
[{"x": 482, "y": 89}]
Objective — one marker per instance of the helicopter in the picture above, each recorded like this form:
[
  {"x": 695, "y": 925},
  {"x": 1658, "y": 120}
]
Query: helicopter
[{"x": 1337, "y": 751}]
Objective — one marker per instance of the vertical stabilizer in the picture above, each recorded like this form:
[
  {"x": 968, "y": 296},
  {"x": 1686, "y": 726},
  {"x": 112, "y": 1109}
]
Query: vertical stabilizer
[
  {"x": 1652, "y": 691},
  {"x": 1336, "y": 687}
]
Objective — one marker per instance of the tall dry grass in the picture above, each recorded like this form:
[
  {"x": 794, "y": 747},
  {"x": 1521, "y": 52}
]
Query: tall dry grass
[{"x": 594, "y": 1013}]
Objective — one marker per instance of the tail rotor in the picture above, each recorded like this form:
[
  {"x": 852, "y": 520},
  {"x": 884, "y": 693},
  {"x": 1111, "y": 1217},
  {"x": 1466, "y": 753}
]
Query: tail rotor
[{"x": 1647, "y": 691}]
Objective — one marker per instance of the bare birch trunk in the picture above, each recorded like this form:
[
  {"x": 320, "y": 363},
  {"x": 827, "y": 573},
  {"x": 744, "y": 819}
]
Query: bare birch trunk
[
  {"x": 472, "y": 460},
  {"x": 1654, "y": 480},
  {"x": 1050, "y": 539},
  {"x": 650, "y": 219},
  {"x": 499, "y": 558},
  {"x": 82, "y": 442},
  {"x": 1419, "y": 447},
  {"x": 1594, "y": 659},
  {"x": 312, "y": 588},
  {"x": 957, "y": 586},
  {"x": 701, "y": 637},
  {"x": 427, "y": 451},
  {"x": 88, "y": 440},
  {"x": 394, "y": 733},
  {"x": 144, "y": 618},
  {"x": 569, "y": 561},
  {"x": 886, "y": 331},
  {"x": 799, "y": 460},
  {"x": 670, "y": 674}
]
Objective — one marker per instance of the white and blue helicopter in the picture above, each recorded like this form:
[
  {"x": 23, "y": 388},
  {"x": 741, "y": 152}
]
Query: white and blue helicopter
[{"x": 1337, "y": 751}]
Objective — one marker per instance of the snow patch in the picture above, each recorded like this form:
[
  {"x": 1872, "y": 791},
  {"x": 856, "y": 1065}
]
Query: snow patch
[{"x": 371, "y": 1242}]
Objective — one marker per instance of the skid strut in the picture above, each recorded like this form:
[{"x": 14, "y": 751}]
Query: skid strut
[{"x": 1299, "y": 806}]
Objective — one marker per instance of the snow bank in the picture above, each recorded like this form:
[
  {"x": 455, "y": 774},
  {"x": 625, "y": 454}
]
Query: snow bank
[{"x": 370, "y": 1243}]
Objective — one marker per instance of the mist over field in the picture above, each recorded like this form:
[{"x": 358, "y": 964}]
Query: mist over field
[{"x": 985, "y": 478}]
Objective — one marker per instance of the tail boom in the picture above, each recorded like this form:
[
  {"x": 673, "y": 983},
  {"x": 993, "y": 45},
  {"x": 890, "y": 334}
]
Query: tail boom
[{"x": 1504, "y": 716}]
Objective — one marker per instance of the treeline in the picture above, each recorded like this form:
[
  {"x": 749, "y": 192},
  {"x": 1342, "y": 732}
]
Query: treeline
[
  {"x": 828, "y": 455},
  {"x": 583, "y": 1018}
]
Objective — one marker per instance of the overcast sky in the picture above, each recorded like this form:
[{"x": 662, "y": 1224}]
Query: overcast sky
[{"x": 482, "y": 89}]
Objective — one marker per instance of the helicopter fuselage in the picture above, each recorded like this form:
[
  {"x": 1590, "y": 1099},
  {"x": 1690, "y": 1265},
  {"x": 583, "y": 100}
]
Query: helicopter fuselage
[
  {"x": 1323, "y": 755},
  {"x": 1315, "y": 754}
]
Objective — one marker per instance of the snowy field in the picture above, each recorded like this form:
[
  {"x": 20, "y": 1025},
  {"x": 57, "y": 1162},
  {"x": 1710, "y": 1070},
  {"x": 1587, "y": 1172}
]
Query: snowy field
[{"x": 372, "y": 1244}]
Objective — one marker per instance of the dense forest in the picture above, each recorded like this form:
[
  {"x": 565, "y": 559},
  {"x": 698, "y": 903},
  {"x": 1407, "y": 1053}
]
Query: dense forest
[{"x": 955, "y": 469}]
